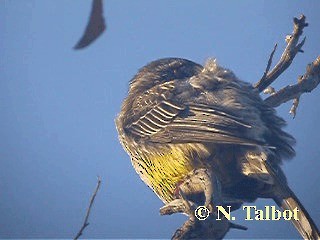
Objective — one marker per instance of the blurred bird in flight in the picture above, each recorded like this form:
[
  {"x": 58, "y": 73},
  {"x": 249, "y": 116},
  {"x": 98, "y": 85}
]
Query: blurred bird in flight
[{"x": 95, "y": 26}]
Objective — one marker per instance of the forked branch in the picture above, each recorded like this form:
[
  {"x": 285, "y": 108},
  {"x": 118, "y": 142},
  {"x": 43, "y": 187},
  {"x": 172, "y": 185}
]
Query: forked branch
[
  {"x": 292, "y": 48},
  {"x": 306, "y": 83}
]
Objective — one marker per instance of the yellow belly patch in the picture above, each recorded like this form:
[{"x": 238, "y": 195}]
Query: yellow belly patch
[{"x": 162, "y": 171}]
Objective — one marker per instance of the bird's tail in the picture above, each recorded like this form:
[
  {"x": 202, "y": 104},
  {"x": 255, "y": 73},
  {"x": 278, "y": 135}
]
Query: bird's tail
[
  {"x": 303, "y": 223},
  {"x": 287, "y": 200}
]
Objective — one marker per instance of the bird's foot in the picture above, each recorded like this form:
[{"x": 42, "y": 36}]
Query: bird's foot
[
  {"x": 178, "y": 206},
  {"x": 198, "y": 188},
  {"x": 201, "y": 183}
]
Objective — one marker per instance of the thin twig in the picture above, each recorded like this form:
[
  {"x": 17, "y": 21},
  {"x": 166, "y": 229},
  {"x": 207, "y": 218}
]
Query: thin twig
[
  {"x": 295, "y": 104},
  {"x": 306, "y": 83},
  {"x": 292, "y": 48},
  {"x": 86, "y": 223},
  {"x": 269, "y": 62}
]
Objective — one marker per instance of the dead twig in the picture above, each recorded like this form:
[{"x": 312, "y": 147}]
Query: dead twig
[
  {"x": 193, "y": 228},
  {"x": 269, "y": 61},
  {"x": 295, "y": 104},
  {"x": 292, "y": 48},
  {"x": 211, "y": 228},
  {"x": 306, "y": 83},
  {"x": 86, "y": 223}
]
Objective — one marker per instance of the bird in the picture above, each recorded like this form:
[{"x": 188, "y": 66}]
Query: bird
[
  {"x": 202, "y": 131},
  {"x": 95, "y": 26}
]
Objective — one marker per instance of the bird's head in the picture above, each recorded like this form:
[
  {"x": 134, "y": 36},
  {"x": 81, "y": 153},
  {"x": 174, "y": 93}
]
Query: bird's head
[{"x": 161, "y": 71}]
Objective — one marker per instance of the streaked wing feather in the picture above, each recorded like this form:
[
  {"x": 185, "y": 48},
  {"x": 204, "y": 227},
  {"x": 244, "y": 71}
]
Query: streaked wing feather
[
  {"x": 203, "y": 109},
  {"x": 156, "y": 119},
  {"x": 164, "y": 120}
]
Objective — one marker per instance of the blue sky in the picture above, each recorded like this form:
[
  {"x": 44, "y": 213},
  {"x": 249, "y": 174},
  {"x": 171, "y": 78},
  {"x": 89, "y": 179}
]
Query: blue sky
[{"x": 58, "y": 106}]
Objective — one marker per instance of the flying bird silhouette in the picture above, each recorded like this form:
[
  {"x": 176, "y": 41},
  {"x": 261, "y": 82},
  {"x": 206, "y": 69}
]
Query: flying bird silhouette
[{"x": 95, "y": 26}]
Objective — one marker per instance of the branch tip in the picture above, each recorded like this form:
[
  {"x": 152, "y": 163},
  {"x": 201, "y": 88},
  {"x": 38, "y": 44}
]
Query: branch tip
[
  {"x": 292, "y": 48},
  {"x": 86, "y": 223},
  {"x": 306, "y": 83}
]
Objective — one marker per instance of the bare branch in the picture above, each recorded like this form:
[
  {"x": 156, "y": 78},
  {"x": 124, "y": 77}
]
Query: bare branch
[
  {"x": 193, "y": 228},
  {"x": 211, "y": 228},
  {"x": 86, "y": 223},
  {"x": 292, "y": 48},
  {"x": 306, "y": 83}
]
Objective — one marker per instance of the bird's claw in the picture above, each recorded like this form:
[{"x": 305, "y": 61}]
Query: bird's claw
[
  {"x": 201, "y": 181},
  {"x": 177, "y": 206}
]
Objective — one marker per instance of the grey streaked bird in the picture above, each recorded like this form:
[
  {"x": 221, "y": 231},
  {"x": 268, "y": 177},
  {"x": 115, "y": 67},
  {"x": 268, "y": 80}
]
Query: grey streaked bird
[{"x": 191, "y": 128}]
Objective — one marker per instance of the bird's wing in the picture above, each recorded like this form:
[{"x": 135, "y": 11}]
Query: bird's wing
[
  {"x": 95, "y": 26},
  {"x": 162, "y": 119}
]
